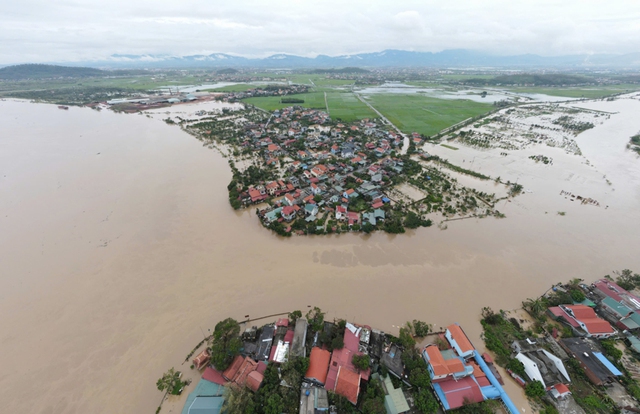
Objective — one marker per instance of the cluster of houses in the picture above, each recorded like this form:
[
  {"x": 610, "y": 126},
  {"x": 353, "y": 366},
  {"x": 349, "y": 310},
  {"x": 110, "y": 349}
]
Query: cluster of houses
[
  {"x": 608, "y": 311},
  {"x": 460, "y": 375},
  {"x": 270, "y": 90},
  {"x": 332, "y": 371},
  {"x": 325, "y": 167}
]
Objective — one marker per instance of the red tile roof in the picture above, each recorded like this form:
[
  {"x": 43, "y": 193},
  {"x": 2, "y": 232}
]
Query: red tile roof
[
  {"x": 283, "y": 322},
  {"x": 318, "y": 365},
  {"x": 232, "y": 371},
  {"x": 214, "y": 376},
  {"x": 461, "y": 392},
  {"x": 561, "y": 388},
  {"x": 202, "y": 359},
  {"x": 460, "y": 337},
  {"x": 440, "y": 365},
  {"x": 593, "y": 323},
  {"x": 254, "y": 380},
  {"x": 248, "y": 366},
  {"x": 348, "y": 384},
  {"x": 262, "y": 367}
]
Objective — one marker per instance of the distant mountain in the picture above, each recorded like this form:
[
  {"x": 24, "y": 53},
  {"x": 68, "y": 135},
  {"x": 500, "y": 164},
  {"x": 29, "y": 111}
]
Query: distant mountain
[
  {"x": 386, "y": 58},
  {"x": 37, "y": 71}
]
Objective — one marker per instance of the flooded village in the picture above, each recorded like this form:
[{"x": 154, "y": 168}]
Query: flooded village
[
  {"x": 160, "y": 278},
  {"x": 575, "y": 349}
]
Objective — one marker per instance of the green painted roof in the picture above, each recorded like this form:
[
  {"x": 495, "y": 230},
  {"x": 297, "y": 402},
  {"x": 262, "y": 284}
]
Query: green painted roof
[
  {"x": 635, "y": 343},
  {"x": 617, "y": 307},
  {"x": 395, "y": 401},
  {"x": 586, "y": 302},
  {"x": 204, "y": 389}
]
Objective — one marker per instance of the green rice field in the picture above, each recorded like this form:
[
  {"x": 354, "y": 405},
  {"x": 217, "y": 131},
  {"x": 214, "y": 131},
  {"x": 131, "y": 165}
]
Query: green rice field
[{"x": 423, "y": 114}]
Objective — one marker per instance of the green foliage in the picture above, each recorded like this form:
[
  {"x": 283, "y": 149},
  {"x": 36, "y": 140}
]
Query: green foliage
[
  {"x": 238, "y": 400},
  {"x": 293, "y": 316},
  {"x": 226, "y": 343},
  {"x": 405, "y": 337},
  {"x": 420, "y": 328},
  {"x": 515, "y": 366},
  {"x": 170, "y": 382},
  {"x": 361, "y": 362},
  {"x": 275, "y": 404},
  {"x": 577, "y": 295},
  {"x": 368, "y": 227},
  {"x": 316, "y": 319},
  {"x": 534, "y": 389},
  {"x": 610, "y": 349},
  {"x": 279, "y": 229},
  {"x": 549, "y": 409},
  {"x": 425, "y": 402},
  {"x": 499, "y": 334},
  {"x": 628, "y": 280},
  {"x": 337, "y": 343},
  {"x": 412, "y": 220}
]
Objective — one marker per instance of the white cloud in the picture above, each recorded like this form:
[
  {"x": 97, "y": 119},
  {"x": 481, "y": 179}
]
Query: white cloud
[{"x": 39, "y": 30}]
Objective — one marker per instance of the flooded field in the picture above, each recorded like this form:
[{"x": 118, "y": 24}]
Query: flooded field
[{"x": 119, "y": 250}]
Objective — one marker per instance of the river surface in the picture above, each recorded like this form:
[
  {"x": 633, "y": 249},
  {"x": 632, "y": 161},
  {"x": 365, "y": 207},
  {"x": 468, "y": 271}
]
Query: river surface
[{"x": 118, "y": 249}]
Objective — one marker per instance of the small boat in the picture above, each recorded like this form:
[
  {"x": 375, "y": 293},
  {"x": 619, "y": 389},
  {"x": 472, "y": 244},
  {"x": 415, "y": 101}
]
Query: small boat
[
  {"x": 517, "y": 377},
  {"x": 66, "y": 108}
]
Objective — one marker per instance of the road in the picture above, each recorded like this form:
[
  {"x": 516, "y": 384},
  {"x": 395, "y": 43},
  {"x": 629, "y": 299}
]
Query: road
[{"x": 405, "y": 142}]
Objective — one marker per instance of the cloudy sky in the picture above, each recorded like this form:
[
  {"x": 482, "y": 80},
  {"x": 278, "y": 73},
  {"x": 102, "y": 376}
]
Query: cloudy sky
[{"x": 77, "y": 30}]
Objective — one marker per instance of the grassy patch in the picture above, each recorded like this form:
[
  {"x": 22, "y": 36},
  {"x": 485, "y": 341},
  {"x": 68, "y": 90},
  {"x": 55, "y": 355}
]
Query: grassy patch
[
  {"x": 313, "y": 100},
  {"x": 342, "y": 105},
  {"x": 423, "y": 114},
  {"x": 449, "y": 146},
  {"x": 347, "y": 107}
]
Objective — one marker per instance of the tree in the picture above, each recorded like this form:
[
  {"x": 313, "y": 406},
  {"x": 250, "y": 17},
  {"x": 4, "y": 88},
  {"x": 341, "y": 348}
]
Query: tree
[
  {"x": 425, "y": 402},
  {"x": 337, "y": 343},
  {"x": 293, "y": 316},
  {"x": 170, "y": 381},
  {"x": 226, "y": 343},
  {"x": 577, "y": 295},
  {"x": 316, "y": 319},
  {"x": 406, "y": 340},
  {"x": 535, "y": 306},
  {"x": 421, "y": 329},
  {"x": 238, "y": 400},
  {"x": 412, "y": 220},
  {"x": 368, "y": 227},
  {"x": 274, "y": 405},
  {"x": 361, "y": 362},
  {"x": 534, "y": 389}
]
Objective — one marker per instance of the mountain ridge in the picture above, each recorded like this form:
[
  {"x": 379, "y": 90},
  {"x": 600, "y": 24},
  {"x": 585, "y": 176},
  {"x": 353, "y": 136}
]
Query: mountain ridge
[{"x": 451, "y": 58}]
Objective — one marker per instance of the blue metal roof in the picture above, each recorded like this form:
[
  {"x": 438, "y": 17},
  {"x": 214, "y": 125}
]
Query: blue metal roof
[{"x": 608, "y": 364}]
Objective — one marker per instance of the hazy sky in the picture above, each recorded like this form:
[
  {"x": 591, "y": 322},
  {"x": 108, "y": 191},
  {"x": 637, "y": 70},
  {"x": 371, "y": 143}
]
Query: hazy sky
[{"x": 71, "y": 30}]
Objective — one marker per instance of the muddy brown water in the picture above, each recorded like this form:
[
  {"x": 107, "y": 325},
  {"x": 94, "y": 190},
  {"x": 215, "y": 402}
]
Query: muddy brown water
[{"x": 118, "y": 249}]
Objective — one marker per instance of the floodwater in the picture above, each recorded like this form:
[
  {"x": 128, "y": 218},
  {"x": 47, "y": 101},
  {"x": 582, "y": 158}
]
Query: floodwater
[
  {"x": 493, "y": 94},
  {"x": 118, "y": 251}
]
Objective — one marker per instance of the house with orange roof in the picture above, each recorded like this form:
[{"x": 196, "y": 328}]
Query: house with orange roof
[
  {"x": 459, "y": 341},
  {"x": 318, "y": 365},
  {"x": 442, "y": 369},
  {"x": 583, "y": 318},
  {"x": 348, "y": 384}
]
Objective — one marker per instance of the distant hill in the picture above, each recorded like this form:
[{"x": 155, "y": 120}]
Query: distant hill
[
  {"x": 387, "y": 58},
  {"x": 38, "y": 71},
  {"x": 227, "y": 71},
  {"x": 341, "y": 70},
  {"x": 532, "y": 79}
]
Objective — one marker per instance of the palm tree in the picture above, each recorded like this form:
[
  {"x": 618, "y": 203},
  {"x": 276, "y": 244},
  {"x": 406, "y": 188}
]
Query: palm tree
[{"x": 535, "y": 306}]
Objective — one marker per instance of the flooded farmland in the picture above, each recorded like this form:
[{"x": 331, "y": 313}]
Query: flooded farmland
[{"x": 119, "y": 250}]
